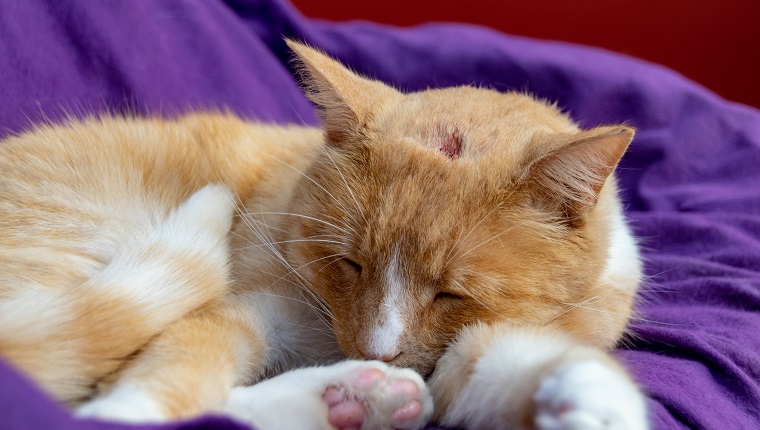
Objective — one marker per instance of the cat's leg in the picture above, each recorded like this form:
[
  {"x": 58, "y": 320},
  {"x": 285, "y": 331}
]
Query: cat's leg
[
  {"x": 199, "y": 344},
  {"x": 186, "y": 370},
  {"x": 165, "y": 270},
  {"x": 505, "y": 377},
  {"x": 191, "y": 367},
  {"x": 347, "y": 395}
]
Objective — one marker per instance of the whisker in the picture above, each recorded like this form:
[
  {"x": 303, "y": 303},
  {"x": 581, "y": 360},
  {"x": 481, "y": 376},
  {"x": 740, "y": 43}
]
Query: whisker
[
  {"x": 304, "y": 302},
  {"x": 506, "y": 230},
  {"x": 262, "y": 231},
  {"x": 634, "y": 317},
  {"x": 473, "y": 296},
  {"x": 311, "y": 180},
  {"x": 571, "y": 306},
  {"x": 281, "y": 242},
  {"x": 303, "y": 216},
  {"x": 350, "y": 191},
  {"x": 298, "y": 286},
  {"x": 264, "y": 235},
  {"x": 482, "y": 220},
  {"x": 328, "y": 265},
  {"x": 595, "y": 298}
]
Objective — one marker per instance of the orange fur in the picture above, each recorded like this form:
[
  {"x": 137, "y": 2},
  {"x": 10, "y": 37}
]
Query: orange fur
[
  {"x": 74, "y": 196},
  {"x": 516, "y": 229}
]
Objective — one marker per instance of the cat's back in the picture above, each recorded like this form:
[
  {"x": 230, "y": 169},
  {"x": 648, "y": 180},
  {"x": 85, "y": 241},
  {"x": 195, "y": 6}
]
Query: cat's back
[
  {"x": 71, "y": 195},
  {"x": 110, "y": 230}
]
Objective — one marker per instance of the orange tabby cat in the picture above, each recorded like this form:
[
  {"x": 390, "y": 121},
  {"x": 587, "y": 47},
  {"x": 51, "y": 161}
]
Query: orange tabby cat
[{"x": 156, "y": 269}]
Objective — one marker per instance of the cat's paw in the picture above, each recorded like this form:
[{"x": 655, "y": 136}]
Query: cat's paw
[
  {"x": 125, "y": 404},
  {"x": 372, "y": 395},
  {"x": 589, "y": 395},
  {"x": 366, "y": 395}
]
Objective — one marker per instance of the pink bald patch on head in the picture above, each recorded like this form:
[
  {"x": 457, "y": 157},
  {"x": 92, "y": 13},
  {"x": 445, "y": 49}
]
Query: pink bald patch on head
[{"x": 451, "y": 144}]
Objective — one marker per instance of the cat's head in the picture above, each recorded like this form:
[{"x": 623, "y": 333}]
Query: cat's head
[{"x": 436, "y": 209}]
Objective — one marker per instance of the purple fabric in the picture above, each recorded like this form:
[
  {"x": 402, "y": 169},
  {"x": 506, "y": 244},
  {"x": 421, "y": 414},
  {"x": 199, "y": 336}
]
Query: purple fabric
[{"x": 691, "y": 180}]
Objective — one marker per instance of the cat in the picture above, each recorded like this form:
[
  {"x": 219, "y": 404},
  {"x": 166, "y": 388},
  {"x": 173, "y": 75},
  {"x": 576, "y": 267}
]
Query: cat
[{"x": 301, "y": 278}]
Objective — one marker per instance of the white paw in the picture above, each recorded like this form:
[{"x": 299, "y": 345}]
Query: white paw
[
  {"x": 347, "y": 395},
  {"x": 124, "y": 403},
  {"x": 589, "y": 395},
  {"x": 374, "y": 395}
]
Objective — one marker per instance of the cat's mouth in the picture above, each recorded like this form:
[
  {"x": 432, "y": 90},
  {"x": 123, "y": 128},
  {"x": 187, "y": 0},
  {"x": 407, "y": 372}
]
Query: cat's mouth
[
  {"x": 405, "y": 359},
  {"x": 413, "y": 361}
]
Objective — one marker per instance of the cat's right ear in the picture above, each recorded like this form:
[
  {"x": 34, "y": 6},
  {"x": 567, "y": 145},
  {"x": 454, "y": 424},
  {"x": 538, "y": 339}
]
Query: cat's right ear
[{"x": 346, "y": 100}]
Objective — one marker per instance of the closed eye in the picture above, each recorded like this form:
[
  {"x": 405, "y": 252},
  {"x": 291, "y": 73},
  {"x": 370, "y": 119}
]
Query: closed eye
[
  {"x": 446, "y": 296},
  {"x": 352, "y": 264}
]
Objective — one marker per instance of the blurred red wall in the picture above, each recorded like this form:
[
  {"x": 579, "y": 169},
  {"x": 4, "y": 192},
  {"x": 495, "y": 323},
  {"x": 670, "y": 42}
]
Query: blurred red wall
[{"x": 714, "y": 42}]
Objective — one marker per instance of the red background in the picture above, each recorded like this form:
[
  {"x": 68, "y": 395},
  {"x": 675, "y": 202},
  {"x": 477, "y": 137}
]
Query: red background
[{"x": 714, "y": 42}]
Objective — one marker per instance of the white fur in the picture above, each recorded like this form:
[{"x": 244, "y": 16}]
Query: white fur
[
  {"x": 385, "y": 337},
  {"x": 294, "y": 332},
  {"x": 505, "y": 376},
  {"x": 198, "y": 226},
  {"x": 501, "y": 376},
  {"x": 293, "y": 400},
  {"x": 50, "y": 308},
  {"x": 589, "y": 395},
  {"x": 623, "y": 267},
  {"x": 126, "y": 403}
]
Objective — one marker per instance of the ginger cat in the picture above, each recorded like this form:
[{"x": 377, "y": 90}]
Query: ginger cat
[{"x": 156, "y": 269}]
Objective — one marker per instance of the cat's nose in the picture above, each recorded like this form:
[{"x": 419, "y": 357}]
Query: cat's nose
[{"x": 374, "y": 355}]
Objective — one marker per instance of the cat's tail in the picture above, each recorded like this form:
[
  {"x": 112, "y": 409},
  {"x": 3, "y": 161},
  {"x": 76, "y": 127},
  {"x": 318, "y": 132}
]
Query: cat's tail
[{"x": 77, "y": 336}]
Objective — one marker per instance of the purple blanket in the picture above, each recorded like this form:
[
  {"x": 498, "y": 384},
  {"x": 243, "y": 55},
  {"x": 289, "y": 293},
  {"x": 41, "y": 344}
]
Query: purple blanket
[{"x": 691, "y": 180}]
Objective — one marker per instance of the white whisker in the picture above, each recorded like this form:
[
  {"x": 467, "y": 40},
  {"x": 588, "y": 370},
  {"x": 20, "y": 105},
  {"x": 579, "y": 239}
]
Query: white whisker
[
  {"x": 506, "y": 230},
  {"x": 473, "y": 296},
  {"x": 306, "y": 217},
  {"x": 460, "y": 238},
  {"x": 350, "y": 191},
  {"x": 312, "y": 181},
  {"x": 282, "y": 242}
]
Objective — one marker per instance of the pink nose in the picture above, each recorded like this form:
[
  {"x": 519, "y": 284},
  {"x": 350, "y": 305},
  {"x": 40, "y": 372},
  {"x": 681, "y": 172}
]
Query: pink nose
[{"x": 388, "y": 356}]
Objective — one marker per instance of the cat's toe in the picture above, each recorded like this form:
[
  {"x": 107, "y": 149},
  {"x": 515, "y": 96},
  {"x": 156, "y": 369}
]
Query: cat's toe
[
  {"x": 589, "y": 395},
  {"x": 377, "y": 396},
  {"x": 344, "y": 413},
  {"x": 413, "y": 407}
]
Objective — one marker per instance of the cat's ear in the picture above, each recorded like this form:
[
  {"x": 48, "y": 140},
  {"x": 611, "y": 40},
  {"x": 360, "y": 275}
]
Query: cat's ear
[
  {"x": 346, "y": 100},
  {"x": 570, "y": 178}
]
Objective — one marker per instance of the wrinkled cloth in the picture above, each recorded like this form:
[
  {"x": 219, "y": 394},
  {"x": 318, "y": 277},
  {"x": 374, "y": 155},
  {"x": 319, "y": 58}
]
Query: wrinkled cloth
[{"x": 690, "y": 181}]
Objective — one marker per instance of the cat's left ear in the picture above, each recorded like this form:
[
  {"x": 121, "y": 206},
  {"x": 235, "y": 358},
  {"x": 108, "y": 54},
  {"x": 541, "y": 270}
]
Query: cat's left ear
[
  {"x": 571, "y": 177},
  {"x": 346, "y": 100}
]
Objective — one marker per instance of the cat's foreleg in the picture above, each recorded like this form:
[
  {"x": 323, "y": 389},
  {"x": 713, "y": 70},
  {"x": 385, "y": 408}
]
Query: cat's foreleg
[{"x": 505, "y": 377}]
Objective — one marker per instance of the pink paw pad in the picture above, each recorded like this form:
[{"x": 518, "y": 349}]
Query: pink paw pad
[
  {"x": 405, "y": 389},
  {"x": 371, "y": 388},
  {"x": 344, "y": 413}
]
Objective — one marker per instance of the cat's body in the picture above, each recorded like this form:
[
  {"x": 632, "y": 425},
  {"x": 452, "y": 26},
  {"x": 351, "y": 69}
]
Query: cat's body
[{"x": 472, "y": 236}]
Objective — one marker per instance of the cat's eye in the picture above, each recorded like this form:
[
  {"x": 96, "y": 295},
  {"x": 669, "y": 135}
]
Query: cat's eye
[
  {"x": 352, "y": 264},
  {"x": 445, "y": 296}
]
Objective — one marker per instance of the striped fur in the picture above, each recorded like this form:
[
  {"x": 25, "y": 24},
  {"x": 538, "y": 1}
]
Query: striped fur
[{"x": 151, "y": 266}]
